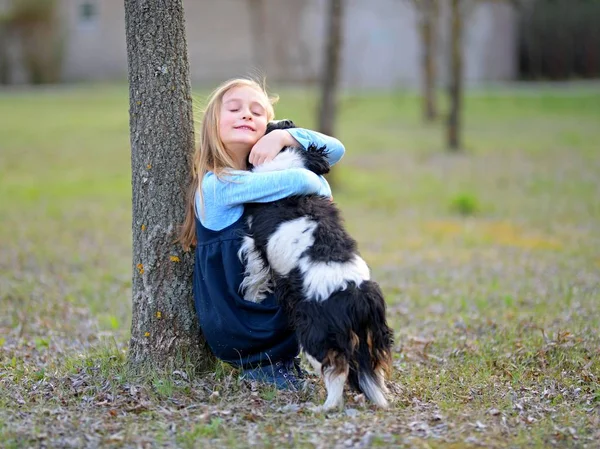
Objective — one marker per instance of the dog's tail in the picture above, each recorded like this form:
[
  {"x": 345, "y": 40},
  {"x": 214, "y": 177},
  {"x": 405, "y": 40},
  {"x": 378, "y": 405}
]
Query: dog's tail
[{"x": 373, "y": 342}]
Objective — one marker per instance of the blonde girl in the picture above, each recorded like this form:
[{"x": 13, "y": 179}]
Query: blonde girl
[{"x": 254, "y": 337}]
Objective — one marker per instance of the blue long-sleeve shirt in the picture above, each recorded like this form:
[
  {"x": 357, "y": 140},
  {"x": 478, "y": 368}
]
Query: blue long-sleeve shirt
[
  {"x": 224, "y": 198},
  {"x": 238, "y": 331}
]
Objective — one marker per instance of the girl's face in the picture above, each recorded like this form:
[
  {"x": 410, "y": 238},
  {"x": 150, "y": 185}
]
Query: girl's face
[{"x": 243, "y": 119}]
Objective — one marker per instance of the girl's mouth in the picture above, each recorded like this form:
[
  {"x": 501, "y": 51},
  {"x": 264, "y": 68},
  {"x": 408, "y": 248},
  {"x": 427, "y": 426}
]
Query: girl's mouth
[{"x": 247, "y": 128}]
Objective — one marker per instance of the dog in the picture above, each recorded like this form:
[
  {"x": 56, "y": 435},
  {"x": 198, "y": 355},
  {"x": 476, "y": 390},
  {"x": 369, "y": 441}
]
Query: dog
[{"x": 297, "y": 247}]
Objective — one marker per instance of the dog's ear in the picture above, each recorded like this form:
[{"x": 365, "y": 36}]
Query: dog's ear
[{"x": 279, "y": 124}]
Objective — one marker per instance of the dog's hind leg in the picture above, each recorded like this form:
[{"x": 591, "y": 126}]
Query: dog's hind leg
[
  {"x": 380, "y": 374},
  {"x": 314, "y": 363},
  {"x": 335, "y": 376},
  {"x": 373, "y": 388}
]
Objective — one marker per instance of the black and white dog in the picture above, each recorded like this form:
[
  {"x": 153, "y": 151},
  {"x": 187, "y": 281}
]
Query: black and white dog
[{"x": 298, "y": 248}]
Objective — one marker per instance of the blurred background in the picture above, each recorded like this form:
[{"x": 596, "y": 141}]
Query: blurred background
[
  {"x": 471, "y": 127},
  {"x": 334, "y": 44},
  {"x": 50, "y": 41},
  {"x": 471, "y": 182}
]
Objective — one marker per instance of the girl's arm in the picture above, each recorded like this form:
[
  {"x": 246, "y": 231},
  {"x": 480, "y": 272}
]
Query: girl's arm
[
  {"x": 271, "y": 144},
  {"x": 305, "y": 137},
  {"x": 246, "y": 187}
]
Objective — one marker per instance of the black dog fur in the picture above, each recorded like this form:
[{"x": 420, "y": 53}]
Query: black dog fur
[{"x": 345, "y": 332}]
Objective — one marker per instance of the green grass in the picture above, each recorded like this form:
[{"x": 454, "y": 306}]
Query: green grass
[{"x": 489, "y": 259}]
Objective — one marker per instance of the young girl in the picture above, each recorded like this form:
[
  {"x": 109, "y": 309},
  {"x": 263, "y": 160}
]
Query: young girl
[{"x": 254, "y": 337}]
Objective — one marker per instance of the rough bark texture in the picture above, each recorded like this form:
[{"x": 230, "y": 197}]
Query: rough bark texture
[
  {"x": 258, "y": 26},
  {"x": 429, "y": 21},
  {"x": 4, "y": 63},
  {"x": 455, "y": 84},
  {"x": 164, "y": 333},
  {"x": 331, "y": 67}
]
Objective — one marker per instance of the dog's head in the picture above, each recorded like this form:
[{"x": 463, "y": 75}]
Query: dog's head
[
  {"x": 313, "y": 158},
  {"x": 272, "y": 126},
  {"x": 279, "y": 124}
]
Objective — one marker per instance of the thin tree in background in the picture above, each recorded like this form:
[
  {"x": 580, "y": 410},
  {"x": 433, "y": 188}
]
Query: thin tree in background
[
  {"x": 455, "y": 85},
  {"x": 331, "y": 67},
  {"x": 428, "y": 11},
  {"x": 165, "y": 334},
  {"x": 460, "y": 13},
  {"x": 36, "y": 27},
  {"x": 4, "y": 62},
  {"x": 258, "y": 26}
]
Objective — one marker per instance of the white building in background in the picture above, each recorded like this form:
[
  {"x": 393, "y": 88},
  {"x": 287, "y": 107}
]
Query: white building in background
[{"x": 284, "y": 39}]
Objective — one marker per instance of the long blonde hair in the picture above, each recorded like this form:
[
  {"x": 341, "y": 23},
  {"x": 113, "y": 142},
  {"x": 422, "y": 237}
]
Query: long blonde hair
[{"x": 210, "y": 155}]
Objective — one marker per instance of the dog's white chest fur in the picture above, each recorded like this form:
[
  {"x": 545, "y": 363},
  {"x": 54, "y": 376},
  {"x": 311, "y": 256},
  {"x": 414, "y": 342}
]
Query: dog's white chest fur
[
  {"x": 287, "y": 245},
  {"x": 287, "y": 250},
  {"x": 321, "y": 279}
]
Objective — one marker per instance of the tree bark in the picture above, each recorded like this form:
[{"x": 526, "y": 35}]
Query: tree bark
[
  {"x": 455, "y": 88},
  {"x": 331, "y": 67},
  {"x": 165, "y": 334},
  {"x": 429, "y": 22},
  {"x": 258, "y": 27},
  {"x": 5, "y": 69}
]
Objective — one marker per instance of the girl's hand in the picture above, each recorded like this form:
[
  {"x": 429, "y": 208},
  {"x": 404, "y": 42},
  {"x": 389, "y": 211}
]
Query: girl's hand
[{"x": 270, "y": 145}]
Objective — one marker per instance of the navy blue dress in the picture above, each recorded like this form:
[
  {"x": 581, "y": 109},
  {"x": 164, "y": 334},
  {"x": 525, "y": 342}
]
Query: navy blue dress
[{"x": 240, "y": 332}]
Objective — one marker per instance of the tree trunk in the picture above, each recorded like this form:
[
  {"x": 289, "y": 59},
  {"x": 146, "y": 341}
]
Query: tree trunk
[
  {"x": 165, "y": 334},
  {"x": 455, "y": 84},
  {"x": 5, "y": 69},
  {"x": 429, "y": 23},
  {"x": 331, "y": 67},
  {"x": 258, "y": 27}
]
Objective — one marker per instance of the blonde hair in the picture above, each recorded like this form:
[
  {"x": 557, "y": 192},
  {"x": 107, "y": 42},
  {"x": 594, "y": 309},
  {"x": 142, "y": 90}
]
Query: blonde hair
[{"x": 210, "y": 154}]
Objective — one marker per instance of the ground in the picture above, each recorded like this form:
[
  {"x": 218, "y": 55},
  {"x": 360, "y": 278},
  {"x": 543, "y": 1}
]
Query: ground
[{"x": 489, "y": 259}]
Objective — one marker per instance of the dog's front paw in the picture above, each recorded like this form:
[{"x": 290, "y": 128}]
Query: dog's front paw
[{"x": 257, "y": 299}]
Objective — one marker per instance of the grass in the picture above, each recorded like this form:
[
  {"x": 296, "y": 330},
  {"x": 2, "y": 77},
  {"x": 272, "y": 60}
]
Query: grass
[{"x": 489, "y": 260}]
